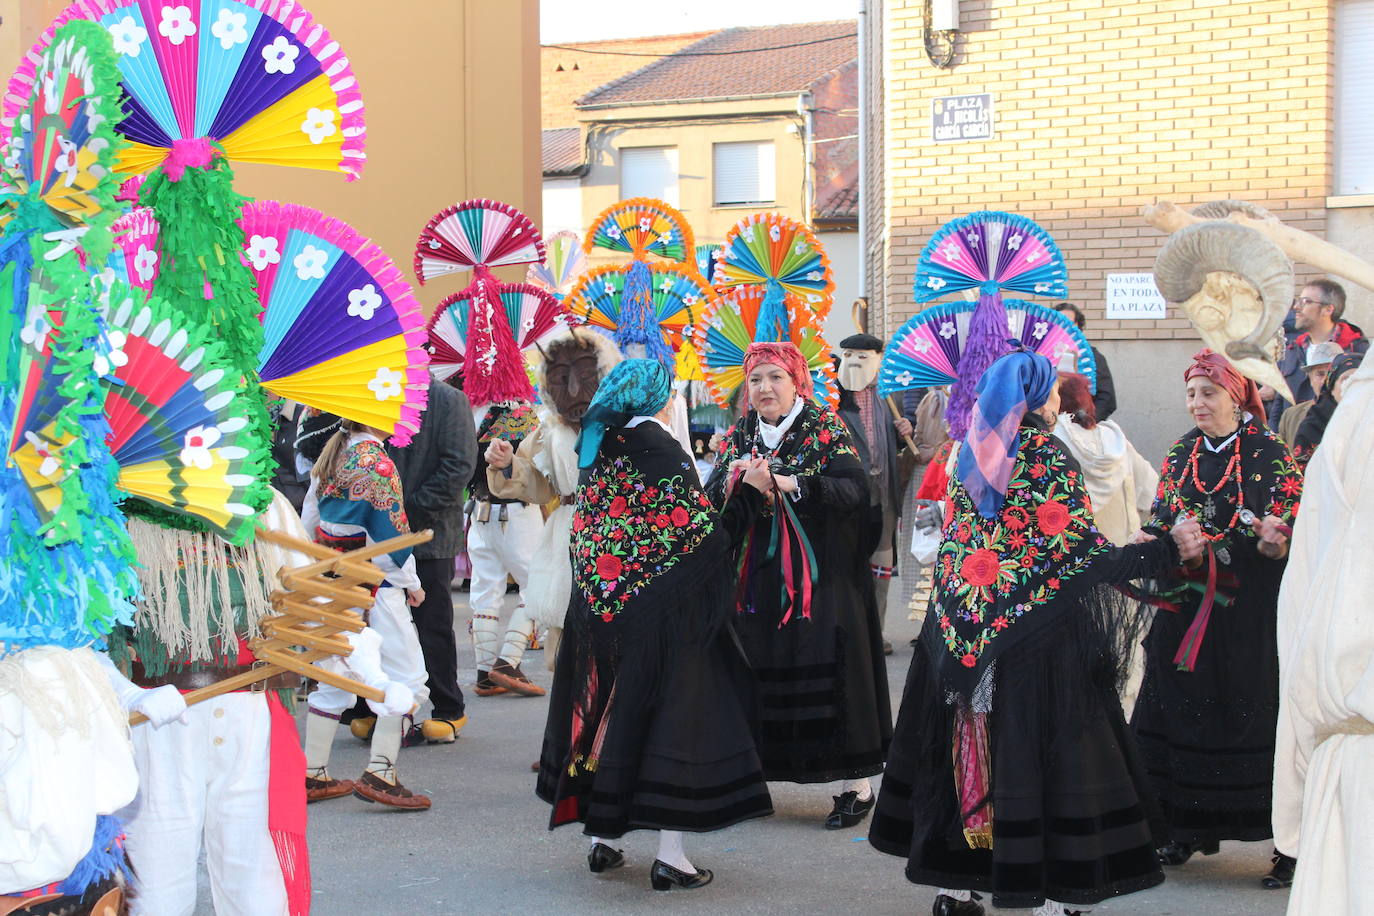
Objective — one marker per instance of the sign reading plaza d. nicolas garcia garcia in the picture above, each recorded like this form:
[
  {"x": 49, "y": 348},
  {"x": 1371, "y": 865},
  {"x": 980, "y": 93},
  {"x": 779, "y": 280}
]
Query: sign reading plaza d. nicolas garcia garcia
[{"x": 956, "y": 118}]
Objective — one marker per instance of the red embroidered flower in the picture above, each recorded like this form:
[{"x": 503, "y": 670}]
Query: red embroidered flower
[
  {"x": 618, "y": 506},
  {"x": 1016, "y": 541},
  {"x": 1291, "y": 486},
  {"x": 969, "y": 660},
  {"x": 680, "y": 517},
  {"x": 1052, "y": 583},
  {"x": 579, "y": 523},
  {"x": 944, "y": 621},
  {"x": 824, "y": 435},
  {"x": 385, "y": 468},
  {"x": 608, "y": 566},
  {"x": 980, "y": 567},
  {"x": 617, "y": 534},
  {"x": 662, "y": 521},
  {"x": 1001, "y": 623},
  {"x": 1027, "y": 562},
  {"x": 607, "y": 616},
  {"x": 1052, "y": 517},
  {"x": 962, "y": 533},
  {"x": 1038, "y": 470},
  {"x": 1015, "y": 518}
]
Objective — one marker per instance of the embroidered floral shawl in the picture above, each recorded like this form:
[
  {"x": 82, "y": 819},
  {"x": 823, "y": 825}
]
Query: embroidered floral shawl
[{"x": 994, "y": 576}]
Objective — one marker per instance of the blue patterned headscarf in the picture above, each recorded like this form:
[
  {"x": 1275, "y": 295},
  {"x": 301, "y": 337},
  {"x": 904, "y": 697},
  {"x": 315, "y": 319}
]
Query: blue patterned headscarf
[
  {"x": 634, "y": 388},
  {"x": 1016, "y": 383}
]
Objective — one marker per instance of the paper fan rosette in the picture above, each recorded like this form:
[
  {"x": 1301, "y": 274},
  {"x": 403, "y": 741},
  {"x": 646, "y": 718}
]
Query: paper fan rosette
[
  {"x": 261, "y": 79},
  {"x": 992, "y": 252},
  {"x": 343, "y": 331},
  {"x": 563, "y": 263},
  {"x": 926, "y": 351},
  {"x": 477, "y": 235},
  {"x": 178, "y": 415},
  {"x": 642, "y": 226},
  {"x": 783, "y": 257},
  {"x": 533, "y": 314},
  {"x": 730, "y": 324},
  {"x": 645, "y": 315}
]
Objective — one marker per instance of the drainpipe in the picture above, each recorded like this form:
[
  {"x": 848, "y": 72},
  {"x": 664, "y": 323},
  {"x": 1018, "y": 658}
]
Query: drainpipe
[
  {"x": 862, "y": 106},
  {"x": 806, "y": 109}
]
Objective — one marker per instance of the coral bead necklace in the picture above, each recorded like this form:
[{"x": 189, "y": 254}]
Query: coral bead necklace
[{"x": 1231, "y": 472}]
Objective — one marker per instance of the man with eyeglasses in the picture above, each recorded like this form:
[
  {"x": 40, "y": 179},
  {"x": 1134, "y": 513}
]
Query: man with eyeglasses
[{"x": 1317, "y": 312}]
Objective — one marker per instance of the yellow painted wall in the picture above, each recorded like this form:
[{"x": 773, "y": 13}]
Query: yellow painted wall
[
  {"x": 751, "y": 120},
  {"x": 451, "y": 91}
]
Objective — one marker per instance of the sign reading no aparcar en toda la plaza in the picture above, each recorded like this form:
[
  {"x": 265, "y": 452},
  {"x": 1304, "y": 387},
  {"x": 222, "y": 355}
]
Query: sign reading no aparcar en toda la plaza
[
  {"x": 1134, "y": 296},
  {"x": 954, "y": 118}
]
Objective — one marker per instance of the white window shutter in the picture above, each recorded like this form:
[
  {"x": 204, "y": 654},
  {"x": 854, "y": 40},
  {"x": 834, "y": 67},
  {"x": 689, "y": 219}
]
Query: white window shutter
[
  {"x": 649, "y": 171},
  {"x": 1354, "y": 101},
  {"x": 744, "y": 173}
]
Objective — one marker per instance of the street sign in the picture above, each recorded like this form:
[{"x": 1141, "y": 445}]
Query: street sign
[
  {"x": 957, "y": 118},
  {"x": 1134, "y": 297}
]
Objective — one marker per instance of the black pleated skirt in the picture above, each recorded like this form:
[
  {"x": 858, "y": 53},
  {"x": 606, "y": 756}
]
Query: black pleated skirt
[
  {"x": 685, "y": 761},
  {"x": 1072, "y": 816}
]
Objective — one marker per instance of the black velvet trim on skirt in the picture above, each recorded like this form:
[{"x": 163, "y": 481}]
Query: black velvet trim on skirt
[{"x": 1073, "y": 815}]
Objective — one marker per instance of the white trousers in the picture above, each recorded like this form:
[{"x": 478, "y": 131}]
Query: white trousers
[
  {"x": 498, "y": 549},
  {"x": 402, "y": 660},
  {"x": 205, "y": 781}
]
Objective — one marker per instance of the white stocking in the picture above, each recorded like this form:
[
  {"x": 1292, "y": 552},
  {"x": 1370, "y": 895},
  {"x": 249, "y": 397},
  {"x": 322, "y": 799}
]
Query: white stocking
[
  {"x": 1049, "y": 908},
  {"x": 518, "y": 634},
  {"x": 862, "y": 786},
  {"x": 670, "y": 851},
  {"x": 486, "y": 638},
  {"x": 386, "y": 745},
  {"x": 597, "y": 839},
  {"x": 319, "y": 739},
  {"x": 963, "y": 896}
]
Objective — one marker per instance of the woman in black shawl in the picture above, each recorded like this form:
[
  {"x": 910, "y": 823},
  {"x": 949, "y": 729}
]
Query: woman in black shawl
[
  {"x": 1011, "y": 770},
  {"x": 806, "y": 611},
  {"x": 1313, "y": 425},
  {"x": 650, "y": 718},
  {"x": 1208, "y": 707}
]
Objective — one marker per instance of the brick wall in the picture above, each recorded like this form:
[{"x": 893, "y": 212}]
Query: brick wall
[{"x": 1102, "y": 107}]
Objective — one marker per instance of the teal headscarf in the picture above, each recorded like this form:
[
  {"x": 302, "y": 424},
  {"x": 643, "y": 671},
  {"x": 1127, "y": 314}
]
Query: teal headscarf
[{"x": 634, "y": 388}]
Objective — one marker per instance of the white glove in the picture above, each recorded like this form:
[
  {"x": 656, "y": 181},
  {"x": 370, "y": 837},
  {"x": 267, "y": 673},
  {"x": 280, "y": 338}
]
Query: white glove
[
  {"x": 364, "y": 663},
  {"x": 927, "y": 516},
  {"x": 162, "y": 705},
  {"x": 399, "y": 700}
]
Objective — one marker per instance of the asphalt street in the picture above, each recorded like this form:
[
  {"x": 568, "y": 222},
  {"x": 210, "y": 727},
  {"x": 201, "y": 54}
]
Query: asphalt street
[{"x": 485, "y": 846}]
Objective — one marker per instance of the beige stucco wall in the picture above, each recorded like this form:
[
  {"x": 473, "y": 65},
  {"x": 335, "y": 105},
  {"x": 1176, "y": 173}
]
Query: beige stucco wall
[
  {"x": 760, "y": 120},
  {"x": 452, "y": 99}
]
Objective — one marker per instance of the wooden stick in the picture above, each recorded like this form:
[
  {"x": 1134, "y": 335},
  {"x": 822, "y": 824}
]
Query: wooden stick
[
  {"x": 355, "y": 596},
  {"x": 326, "y": 641},
  {"x": 362, "y": 553},
  {"x": 288, "y": 661},
  {"x": 323, "y": 611},
  {"x": 897, "y": 415}
]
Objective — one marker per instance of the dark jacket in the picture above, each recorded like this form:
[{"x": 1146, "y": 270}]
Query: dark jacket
[
  {"x": 1104, "y": 399},
  {"x": 1350, "y": 338},
  {"x": 435, "y": 469},
  {"x": 849, "y": 413}
]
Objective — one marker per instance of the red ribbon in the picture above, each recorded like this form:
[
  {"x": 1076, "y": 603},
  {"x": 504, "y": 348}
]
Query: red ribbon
[{"x": 1188, "y": 650}]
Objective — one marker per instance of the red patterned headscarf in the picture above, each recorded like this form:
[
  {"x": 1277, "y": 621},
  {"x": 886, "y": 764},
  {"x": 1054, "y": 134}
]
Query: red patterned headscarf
[
  {"x": 1241, "y": 389},
  {"x": 785, "y": 355}
]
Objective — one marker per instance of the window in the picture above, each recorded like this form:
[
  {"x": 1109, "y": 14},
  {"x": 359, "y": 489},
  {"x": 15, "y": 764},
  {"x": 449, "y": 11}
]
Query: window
[
  {"x": 745, "y": 173},
  {"x": 649, "y": 171},
  {"x": 1354, "y": 103}
]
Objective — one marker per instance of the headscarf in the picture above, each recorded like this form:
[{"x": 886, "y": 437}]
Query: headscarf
[
  {"x": 1015, "y": 383},
  {"x": 1313, "y": 426},
  {"x": 634, "y": 388},
  {"x": 1242, "y": 390},
  {"x": 1076, "y": 400},
  {"x": 785, "y": 355}
]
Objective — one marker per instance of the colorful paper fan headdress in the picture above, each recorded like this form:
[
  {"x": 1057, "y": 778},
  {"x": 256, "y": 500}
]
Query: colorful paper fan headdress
[
  {"x": 342, "y": 330},
  {"x": 730, "y": 325},
  {"x": 782, "y": 257},
  {"x": 66, "y": 571},
  {"x": 991, "y": 252},
  {"x": 927, "y": 350},
  {"x": 473, "y": 330},
  {"x": 562, "y": 265},
  {"x": 260, "y": 79},
  {"x": 644, "y": 305}
]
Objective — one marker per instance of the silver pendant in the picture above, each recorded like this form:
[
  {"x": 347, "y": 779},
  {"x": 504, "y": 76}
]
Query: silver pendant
[{"x": 1223, "y": 556}]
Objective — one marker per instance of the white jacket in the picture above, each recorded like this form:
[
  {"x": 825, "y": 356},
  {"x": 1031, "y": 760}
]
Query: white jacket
[{"x": 1120, "y": 483}]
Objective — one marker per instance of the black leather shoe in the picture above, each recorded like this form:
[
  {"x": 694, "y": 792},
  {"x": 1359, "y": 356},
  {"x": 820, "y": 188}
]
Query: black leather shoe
[
  {"x": 849, "y": 810},
  {"x": 604, "y": 858},
  {"x": 1177, "y": 853},
  {"x": 1281, "y": 875},
  {"x": 948, "y": 906},
  {"x": 663, "y": 877}
]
